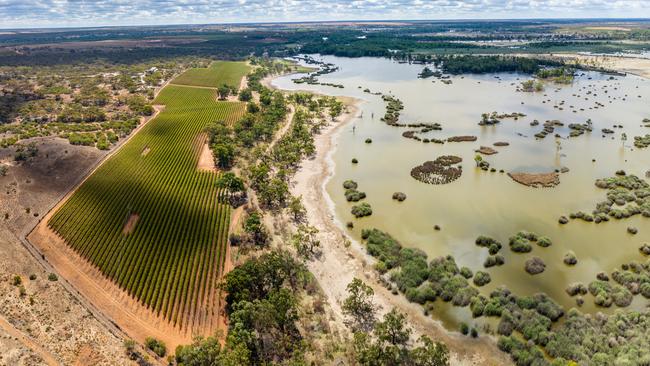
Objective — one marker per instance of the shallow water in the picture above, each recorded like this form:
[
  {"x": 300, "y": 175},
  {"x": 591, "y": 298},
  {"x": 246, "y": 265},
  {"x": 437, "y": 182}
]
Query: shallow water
[{"x": 485, "y": 203}]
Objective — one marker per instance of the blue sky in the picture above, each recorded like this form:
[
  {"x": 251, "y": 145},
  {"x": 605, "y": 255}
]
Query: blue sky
[{"x": 62, "y": 13}]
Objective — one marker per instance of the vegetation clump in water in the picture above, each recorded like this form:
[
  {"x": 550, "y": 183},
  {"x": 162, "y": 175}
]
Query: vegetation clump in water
[
  {"x": 352, "y": 195},
  {"x": 494, "y": 260},
  {"x": 361, "y": 210},
  {"x": 642, "y": 142},
  {"x": 462, "y": 139},
  {"x": 399, "y": 196},
  {"x": 443, "y": 170},
  {"x": 482, "y": 278},
  {"x": 350, "y": 184},
  {"x": 535, "y": 265},
  {"x": 570, "y": 259},
  {"x": 627, "y": 195},
  {"x": 489, "y": 119},
  {"x": 487, "y": 242},
  {"x": 521, "y": 242}
]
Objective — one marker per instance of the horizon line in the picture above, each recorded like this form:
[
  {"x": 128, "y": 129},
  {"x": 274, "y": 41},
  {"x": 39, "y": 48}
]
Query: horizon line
[{"x": 449, "y": 20}]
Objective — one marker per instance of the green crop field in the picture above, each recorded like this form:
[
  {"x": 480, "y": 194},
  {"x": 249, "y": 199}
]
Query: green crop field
[
  {"x": 172, "y": 259},
  {"x": 219, "y": 73}
]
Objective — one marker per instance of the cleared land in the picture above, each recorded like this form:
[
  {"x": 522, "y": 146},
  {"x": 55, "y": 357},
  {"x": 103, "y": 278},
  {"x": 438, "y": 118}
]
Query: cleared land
[
  {"x": 219, "y": 73},
  {"x": 171, "y": 260}
]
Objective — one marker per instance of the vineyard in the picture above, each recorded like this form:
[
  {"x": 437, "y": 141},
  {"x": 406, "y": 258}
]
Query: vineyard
[
  {"x": 219, "y": 73},
  {"x": 150, "y": 221}
]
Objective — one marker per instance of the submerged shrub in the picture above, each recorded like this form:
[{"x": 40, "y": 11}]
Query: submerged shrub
[
  {"x": 482, "y": 278},
  {"x": 350, "y": 184},
  {"x": 361, "y": 210}
]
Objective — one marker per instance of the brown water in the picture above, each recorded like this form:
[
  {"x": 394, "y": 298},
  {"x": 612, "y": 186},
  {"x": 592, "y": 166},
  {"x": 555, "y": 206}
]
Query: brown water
[{"x": 485, "y": 203}]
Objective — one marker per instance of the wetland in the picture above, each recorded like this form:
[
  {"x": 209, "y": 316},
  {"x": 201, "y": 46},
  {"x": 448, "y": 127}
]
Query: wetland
[{"x": 491, "y": 198}]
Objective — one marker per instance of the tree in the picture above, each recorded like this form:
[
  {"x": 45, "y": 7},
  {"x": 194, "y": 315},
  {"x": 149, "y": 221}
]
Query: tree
[
  {"x": 393, "y": 329},
  {"x": 478, "y": 159},
  {"x": 305, "y": 242},
  {"x": 255, "y": 229},
  {"x": 430, "y": 353},
  {"x": 224, "y": 152},
  {"x": 231, "y": 182},
  {"x": 202, "y": 352},
  {"x": 245, "y": 95},
  {"x": 223, "y": 91},
  {"x": 359, "y": 306},
  {"x": 157, "y": 346},
  {"x": 297, "y": 209},
  {"x": 389, "y": 345},
  {"x": 235, "y": 187}
]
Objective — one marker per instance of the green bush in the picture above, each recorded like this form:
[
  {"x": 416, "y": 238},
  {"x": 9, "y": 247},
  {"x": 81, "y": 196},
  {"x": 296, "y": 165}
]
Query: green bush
[
  {"x": 482, "y": 278},
  {"x": 464, "y": 328},
  {"x": 361, "y": 210},
  {"x": 158, "y": 347},
  {"x": 350, "y": 184}
]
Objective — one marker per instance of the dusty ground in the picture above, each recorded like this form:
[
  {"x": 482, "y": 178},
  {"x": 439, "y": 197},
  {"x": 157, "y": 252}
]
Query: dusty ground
[
  {"x": 51, "y": 323},
  {"x": 632, "y": 65},
  {"x": 536, "y": 179},
  {"x": 206, "y": 159}
]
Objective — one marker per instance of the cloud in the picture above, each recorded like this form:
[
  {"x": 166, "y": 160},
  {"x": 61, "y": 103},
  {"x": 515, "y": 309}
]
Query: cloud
[{"x": 40, "y": 13}]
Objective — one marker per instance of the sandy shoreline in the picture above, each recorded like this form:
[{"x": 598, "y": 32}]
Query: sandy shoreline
[
  {"x": 338, "y": 265},
  {"x": 626, "y": 64}
]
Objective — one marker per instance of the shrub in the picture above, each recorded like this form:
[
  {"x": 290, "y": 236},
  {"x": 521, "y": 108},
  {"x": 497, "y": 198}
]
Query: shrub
[
  {"x": 544, "y": 242},
  {"x": 570, "y": 258},
  {"x": 482, "y": 278},
  {"x": 466, "y": 272},
  {"x": 519, "y": 244},
  {"x": 17, "y": 280},
  {"x": 361, "y": 210},
  {"x": 477, "y": 305},
  {"x": 535, "y": 266},
  {"x": 399, "y": 196},
  {"x": 52, "y": 277},
  {"x": 645, "y": 289},
  {"x": 382, "y": 246},
  {"x": 158, "y": 347},
  {"x": 464, "y": 328},
  {"x": 350, "y": 184},
  {"x": 352, "y": 195}
]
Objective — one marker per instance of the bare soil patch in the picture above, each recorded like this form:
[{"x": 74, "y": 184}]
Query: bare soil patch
[
  {"x": 130, "y": 224},
  {"x": 206, "y": 160},
  {"x": 57, "y": 322},
  {"x": 145, "y": 151},
  {"x": 87, "y": 356},
  {"x": 486, "y": 150},
  {"x": 536, "y": 180}
]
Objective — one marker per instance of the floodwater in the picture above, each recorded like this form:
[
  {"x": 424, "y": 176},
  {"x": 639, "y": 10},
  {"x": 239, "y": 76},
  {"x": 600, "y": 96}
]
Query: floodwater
[{"x": 490, "y": 203}]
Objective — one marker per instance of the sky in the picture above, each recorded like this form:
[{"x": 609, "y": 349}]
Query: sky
[{"x": 83, "y": 13}]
